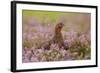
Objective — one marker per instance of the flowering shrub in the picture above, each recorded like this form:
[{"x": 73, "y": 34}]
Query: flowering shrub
[
  {"x": 36, "y": 37},
  {"x": 55, "y": 36}
]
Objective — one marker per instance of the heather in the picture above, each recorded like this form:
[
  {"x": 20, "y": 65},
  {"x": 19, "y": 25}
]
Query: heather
[{"x": 38, "y": 30}]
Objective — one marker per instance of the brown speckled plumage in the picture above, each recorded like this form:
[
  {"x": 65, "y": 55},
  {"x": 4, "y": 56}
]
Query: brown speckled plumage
[{"x": 57, "y": 39}]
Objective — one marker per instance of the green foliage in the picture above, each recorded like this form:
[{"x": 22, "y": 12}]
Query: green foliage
[{"x": 27, "y": 43}]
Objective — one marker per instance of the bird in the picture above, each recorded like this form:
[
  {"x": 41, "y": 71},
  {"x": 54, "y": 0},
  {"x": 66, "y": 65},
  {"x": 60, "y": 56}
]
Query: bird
[{"x": 57, "y": 38}]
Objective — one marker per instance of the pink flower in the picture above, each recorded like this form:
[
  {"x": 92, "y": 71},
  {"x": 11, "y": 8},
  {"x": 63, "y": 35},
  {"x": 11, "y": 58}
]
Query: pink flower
[{"x": 34, "y": 59}]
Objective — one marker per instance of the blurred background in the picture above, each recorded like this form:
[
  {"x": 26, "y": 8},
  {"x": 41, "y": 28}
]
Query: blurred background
[{"x": 79, "y": 22}]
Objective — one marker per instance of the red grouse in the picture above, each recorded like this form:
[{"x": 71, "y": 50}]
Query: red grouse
[{"x": 57, "y": 39}]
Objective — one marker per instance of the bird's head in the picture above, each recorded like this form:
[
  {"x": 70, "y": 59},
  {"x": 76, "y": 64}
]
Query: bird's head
[{"x": 58, "y": 27}]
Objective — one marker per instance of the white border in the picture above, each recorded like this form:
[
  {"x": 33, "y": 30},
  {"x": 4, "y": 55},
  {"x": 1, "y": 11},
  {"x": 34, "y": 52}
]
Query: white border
[{"x": 36, "y": 65}]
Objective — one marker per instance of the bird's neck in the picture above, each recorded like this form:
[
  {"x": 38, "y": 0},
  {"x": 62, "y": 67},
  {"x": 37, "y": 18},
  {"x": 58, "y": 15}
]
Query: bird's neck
[{"x": 58, "y": 31}]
